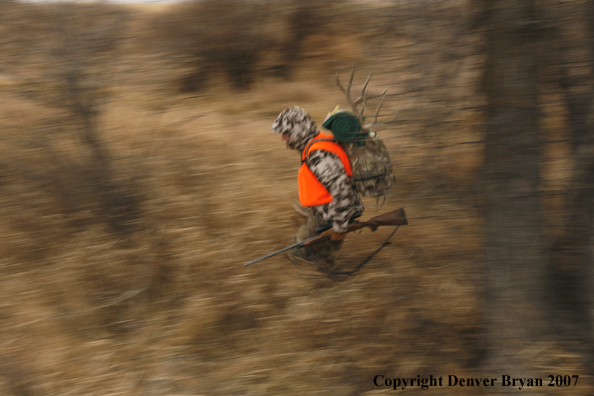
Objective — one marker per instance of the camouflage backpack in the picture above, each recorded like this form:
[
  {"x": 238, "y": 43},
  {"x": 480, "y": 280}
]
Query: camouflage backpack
[
  {"x": 369, "y": 157},
  {"x": 372, "y": 169}
]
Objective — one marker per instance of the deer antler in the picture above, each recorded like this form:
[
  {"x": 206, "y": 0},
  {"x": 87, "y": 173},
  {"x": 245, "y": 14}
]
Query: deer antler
[{"x": 362, "y": 99}]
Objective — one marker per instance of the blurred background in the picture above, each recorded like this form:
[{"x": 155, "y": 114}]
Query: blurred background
[{"x": 138, "y": 174}]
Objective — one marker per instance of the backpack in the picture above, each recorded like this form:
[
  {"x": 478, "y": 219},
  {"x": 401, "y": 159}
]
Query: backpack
[
  {"x": 372, "y": 170},
  {"x": 369, "y": 157}
]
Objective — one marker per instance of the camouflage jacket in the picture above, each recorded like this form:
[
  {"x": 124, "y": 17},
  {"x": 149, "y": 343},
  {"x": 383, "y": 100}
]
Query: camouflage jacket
[
  {"x": 329, "y": 170},
  {"x": 326, "y": 166}
]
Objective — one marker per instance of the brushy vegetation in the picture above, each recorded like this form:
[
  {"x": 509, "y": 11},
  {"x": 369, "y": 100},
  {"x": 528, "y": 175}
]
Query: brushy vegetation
[
  {"x": 243, "y": 40},
  {"x": 128, "y": 206}
]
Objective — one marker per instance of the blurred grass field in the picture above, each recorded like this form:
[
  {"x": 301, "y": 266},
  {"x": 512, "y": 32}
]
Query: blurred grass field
[{"x": 150, "y": 296}]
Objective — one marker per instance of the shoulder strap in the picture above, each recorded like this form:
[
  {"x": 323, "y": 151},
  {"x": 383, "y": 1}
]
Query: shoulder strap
[{"x": 305, "y": 152}]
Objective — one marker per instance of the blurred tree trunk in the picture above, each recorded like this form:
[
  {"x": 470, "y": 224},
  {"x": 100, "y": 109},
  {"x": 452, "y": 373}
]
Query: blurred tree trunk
[
  {"x": 515, "y": 251},
  {"x": 571, "y": 259}
]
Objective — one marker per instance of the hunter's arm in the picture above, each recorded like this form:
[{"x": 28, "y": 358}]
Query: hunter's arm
[{"x": 329, "y": 170}]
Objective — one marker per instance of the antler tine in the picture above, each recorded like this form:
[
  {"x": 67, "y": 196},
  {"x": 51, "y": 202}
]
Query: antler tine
[
  {"x": 365, "y": 99},
  {"x": 363, "y": 96},
  {"x": 381, "y": 124},
  {"x": 383, "y": 95},
  {"x": 338, "y": 83},
  {"x": 347, "y": 90},
  {"x": 362, "y": 109},
  {"x": 351, "y": 79}
]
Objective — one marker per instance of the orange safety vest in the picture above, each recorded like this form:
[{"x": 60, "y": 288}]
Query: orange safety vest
[{"x": 311, "y": 191}]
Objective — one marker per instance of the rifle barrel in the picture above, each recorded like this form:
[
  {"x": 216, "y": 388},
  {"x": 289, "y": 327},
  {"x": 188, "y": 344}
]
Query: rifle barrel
[{"x": 298, "y": 244}]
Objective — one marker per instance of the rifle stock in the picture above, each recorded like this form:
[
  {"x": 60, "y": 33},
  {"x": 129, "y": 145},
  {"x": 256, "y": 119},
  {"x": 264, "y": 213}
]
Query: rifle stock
[{"x": 395, "y": 218}]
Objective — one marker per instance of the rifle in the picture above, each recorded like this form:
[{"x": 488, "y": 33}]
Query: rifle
[{"x": 396, "y": 218}]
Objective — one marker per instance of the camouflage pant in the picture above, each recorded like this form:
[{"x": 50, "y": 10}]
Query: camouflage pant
[{"x": 322, "y": 254}]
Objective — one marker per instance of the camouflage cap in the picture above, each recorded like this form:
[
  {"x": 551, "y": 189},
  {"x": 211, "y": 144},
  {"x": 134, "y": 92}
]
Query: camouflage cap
[{"x": 295, "y": 122}]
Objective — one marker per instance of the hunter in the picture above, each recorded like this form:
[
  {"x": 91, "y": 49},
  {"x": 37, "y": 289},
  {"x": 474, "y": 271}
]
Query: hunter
[{"x": 325, "y": 192}]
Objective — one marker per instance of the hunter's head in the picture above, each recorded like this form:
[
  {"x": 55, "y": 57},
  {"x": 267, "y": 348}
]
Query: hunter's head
[{"x": 295, "y": 126}]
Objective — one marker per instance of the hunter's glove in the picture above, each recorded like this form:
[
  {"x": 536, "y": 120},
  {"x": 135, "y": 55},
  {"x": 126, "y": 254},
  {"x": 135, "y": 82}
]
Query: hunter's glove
[{"x": 334, "y": 236}]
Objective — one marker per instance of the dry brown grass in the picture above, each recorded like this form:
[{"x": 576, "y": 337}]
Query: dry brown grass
[{"x": 167, "y": 308}]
